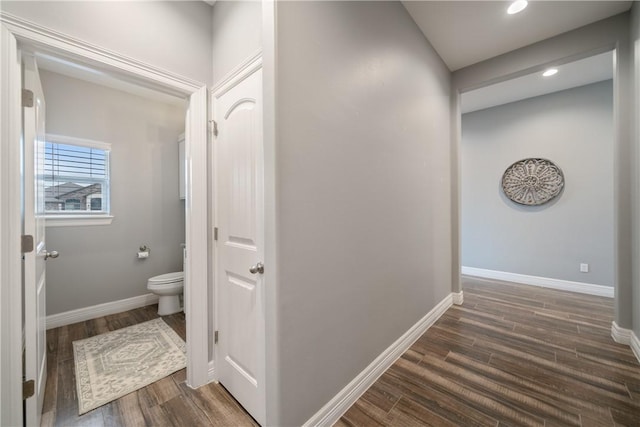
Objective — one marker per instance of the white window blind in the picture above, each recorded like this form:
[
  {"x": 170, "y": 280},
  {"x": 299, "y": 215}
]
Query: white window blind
[{"x": 76, "y": 178}]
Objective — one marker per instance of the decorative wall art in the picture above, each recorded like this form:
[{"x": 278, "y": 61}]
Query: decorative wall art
[{"x": 532, "y": 181}]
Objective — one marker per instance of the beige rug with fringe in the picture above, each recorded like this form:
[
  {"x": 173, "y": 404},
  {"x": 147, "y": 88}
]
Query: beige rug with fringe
[{"x": 111, "y": 365}]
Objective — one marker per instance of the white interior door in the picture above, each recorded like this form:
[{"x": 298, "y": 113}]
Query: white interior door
[
  {"x": 240, "y": 244},
  {"x": 34, "y": 261}
]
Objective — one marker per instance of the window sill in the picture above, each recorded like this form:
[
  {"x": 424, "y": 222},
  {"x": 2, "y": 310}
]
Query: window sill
[{"x": 77, "y": 220}]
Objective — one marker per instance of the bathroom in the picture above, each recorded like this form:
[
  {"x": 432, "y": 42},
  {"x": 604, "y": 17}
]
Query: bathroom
[{"x": 98, "y": 271}]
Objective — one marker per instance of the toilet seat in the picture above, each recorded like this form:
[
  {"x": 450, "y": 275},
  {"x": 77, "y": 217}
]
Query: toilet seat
[{"x": 165, "y": 279}]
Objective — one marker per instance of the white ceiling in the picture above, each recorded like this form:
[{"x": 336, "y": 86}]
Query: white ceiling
[
  {"x": 585, "y": 71},
  {"x": 467, "y": 32}
]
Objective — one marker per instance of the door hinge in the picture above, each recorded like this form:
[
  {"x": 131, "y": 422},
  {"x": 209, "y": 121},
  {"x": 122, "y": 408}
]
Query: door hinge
[
  {"x": 28, "y": 389},
  {"x": 215, "y": 337},
  {"x": 214, "y": 127},
  {"x": 27, "y": 98},
  {"x": 215, "y": 233},
  {"x": 26, "y": 243}
]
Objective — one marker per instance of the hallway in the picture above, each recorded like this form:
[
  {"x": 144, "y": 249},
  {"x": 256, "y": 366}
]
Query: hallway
[{"x": 510, "y": 355}]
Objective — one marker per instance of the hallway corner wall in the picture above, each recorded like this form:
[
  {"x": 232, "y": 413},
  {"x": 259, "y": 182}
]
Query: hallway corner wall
[{"x": 363, "y": 192}]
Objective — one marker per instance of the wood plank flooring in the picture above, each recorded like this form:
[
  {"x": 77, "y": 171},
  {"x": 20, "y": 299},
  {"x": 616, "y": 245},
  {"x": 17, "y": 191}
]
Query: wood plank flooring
[
  {"x": 511, "y": 355},
  {"x": 168, "y": 402}
]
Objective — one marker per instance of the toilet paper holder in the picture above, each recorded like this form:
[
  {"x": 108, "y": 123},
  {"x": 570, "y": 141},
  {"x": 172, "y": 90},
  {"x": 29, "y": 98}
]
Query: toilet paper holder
[{"x": 144, "y": 251}]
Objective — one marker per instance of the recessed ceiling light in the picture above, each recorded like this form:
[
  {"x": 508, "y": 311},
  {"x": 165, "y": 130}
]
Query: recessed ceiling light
[
  {"x": 550, "y": 72},
  {"x": 517, "y": 6}
]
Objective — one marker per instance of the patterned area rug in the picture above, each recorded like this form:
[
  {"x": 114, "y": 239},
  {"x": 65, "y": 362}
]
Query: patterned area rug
[{"x": 111, "y": 365}]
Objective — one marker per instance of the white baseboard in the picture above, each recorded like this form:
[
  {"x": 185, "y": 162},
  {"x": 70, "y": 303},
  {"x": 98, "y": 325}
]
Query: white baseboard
[
  {"x": 211, "y": 372},
  {"x": 87, "y": 313},
  {"x": 635, "y": 345},
  {"x": 458, "y": 297},
  {"x": 620, "y": 335},
  {"x": 330, "y": 413},
  {"x": 545, "y": 282},
  {"x": 626, "y": 337}
]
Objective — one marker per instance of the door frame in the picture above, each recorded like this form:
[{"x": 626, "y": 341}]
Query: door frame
[
  {"x": 15, "y": 32},
  {"x": 611, "y": 34}
]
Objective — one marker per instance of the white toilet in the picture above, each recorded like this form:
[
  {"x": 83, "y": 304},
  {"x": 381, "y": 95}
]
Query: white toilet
[{"x": 169, "y": 287}]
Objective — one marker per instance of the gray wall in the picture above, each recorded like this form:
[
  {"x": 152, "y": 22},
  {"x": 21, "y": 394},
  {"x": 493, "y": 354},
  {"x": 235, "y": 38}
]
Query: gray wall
[
  {"x": 572, "y": 128},
  {"x": 635, "y": 40},
  {"x": 363, "y": 199},
  {"x": 595, "y": 38},
  {"x": 237, "y": 31},
  {"x": 98, "y": 264},
  {"x": 173, "y": 35}
]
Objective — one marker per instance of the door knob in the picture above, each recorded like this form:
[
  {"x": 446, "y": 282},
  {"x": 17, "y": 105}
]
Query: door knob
[
  {"x": 52, "y": 254},
  {"x": 258, "y": 268}
]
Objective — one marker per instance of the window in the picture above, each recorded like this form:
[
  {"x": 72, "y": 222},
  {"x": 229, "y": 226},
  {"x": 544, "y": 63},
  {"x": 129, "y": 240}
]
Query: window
[
  {"x": 95, "y": 203},
  {"x": 76, "y": 181},
  {"x": 72, "y": 205}
]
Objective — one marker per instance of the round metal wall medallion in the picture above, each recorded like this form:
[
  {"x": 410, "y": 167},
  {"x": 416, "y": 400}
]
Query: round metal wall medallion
[{"x": 532, "y": 181}]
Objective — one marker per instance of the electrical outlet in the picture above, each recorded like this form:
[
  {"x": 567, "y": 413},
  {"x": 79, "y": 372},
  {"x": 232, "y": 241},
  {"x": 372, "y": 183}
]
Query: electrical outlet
[{"x": 584, "y": 268}]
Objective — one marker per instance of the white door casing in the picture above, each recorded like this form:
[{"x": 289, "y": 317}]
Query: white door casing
[
  {"x": 239, "y": 207},
  {"x": 11, "y": 295},
  {"x": 195, "y": 290},
  {"x": 33, "y": 36},
  {"x": 34, "y": 225}
]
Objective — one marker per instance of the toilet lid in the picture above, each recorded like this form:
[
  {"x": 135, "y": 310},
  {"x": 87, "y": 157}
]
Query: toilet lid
[{"x": 167, "y": 278}]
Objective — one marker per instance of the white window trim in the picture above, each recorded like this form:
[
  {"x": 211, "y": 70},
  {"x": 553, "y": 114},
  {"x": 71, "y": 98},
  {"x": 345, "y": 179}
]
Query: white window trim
[
  {"x": 90, "y": 143},
  {"x": 77, "y": 220},
  {"x": 54, "y": 220}
]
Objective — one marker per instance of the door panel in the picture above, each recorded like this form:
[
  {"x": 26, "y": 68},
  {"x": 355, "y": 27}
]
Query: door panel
[
  {"x": 34, "y": 224},
  {"x": 239, "y": 218},
  {"x": 239, "y": 129}
]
